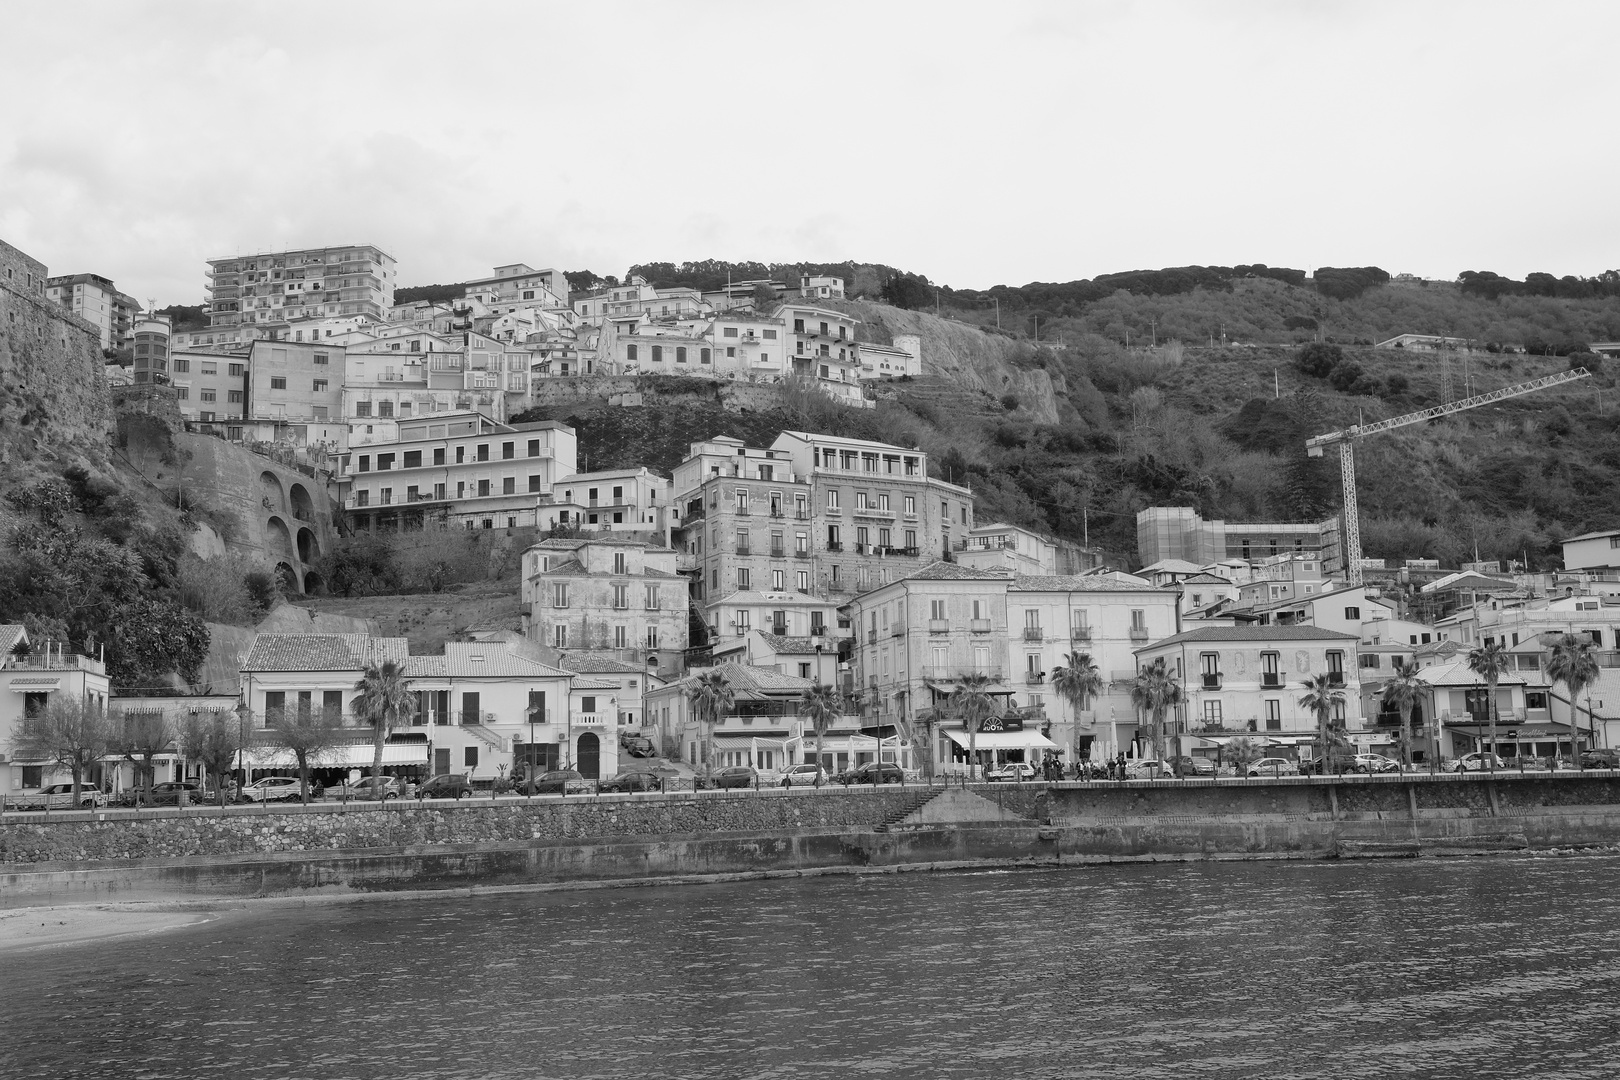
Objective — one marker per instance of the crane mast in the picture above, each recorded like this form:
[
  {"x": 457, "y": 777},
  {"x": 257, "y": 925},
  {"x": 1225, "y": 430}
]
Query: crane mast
[{"x": 1345, "y": 440}]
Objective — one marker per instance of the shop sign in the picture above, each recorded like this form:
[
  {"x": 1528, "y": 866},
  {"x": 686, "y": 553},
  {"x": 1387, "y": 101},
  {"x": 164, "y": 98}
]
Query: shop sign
[{"x": 1001, "y": 723}]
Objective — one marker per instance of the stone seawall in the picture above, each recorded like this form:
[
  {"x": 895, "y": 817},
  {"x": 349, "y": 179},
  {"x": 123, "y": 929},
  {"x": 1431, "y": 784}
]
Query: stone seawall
[{"x": 319, "y": 850}]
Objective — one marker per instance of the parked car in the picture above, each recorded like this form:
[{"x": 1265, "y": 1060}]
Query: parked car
[
  {"x": 1338, "y": 763},
  {"x": 804, "y": 776},
  {"x": 555, "y": 782},
  {"x": 1375, "y": 763},
  {"x": 1186, "y": 765},
  {"x": 1273, "y": 766},
  {"x": 636, "y": 746},
  {"x": 1479, "y": 761},
  {"x": 737, "y": 776},
  {"x": 1149, "y": 769},
  {"x": 271, "y": 789},
  {"x": 1600, "y": 759},
  {"x": 863, "y": 774},
  {"x": 366, "y": 789},
  {"x": 168, "y": 792},
  {"x": 632, "y": 779},
  {"x": 445, "y": 786},
  {"x": 1014, "y": 771},
  {"x": 60, "y": 797}
]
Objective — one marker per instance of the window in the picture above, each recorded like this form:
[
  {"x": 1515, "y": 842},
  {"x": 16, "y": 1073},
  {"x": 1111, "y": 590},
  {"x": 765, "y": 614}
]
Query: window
[
  {"x": 1138, "y": 621},
  {"x": 385, "y": 408},
  {"x": 1353, "y": 614},
  {"x": 207, "y": 395},
  {"x": 1269, "y": 673},
  {"x": 1209, "y": 666},
  {"x": 1335, "y": 664},
  {"x": 620, "y": 636},
  {"x": 743, "y": 579},
  {"x": 1273, "y": 714},
  {"x": 412, "y": 459},
  {"x": 621, "y": 597},
  {"x": 936, "y": 610},
  {"x": 1212, "y": 714},
  {"x": 652, "y": 598},
  {"x": 508, "y": 485},
  {"x": 778, "y": 580},
  {"x": 234, "y": 370},
  {"x": 508, "y": 451},
  {"x": 705, "y": 356},
  {"x": 483, "y": 452},
  {"x": 1369, "y": 660},
  {"x": 680, "y": 354},
  {"x": 804, "y": 580},
  {"x": 362, "y": 408},
  {"x": 832, "y": 500},
  {"x": 658, "y": 354},
  {"x": 652, "y": 637},
  {"x": 385, "y": 462},
  {"x": 618, "y": 562},
  {"x": 438, "y": 455},
  {"x": 278, "y": 382},
  {"x": 559, "y": 595},
  {"x": 559, "y": 636},
  {"x": 629, "y": 352},
  {"x": 320, "y": 386}
]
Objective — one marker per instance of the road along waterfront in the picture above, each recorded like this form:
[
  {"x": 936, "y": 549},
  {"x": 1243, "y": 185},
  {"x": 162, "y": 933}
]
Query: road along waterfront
[{"x": 1505, "y": 966}]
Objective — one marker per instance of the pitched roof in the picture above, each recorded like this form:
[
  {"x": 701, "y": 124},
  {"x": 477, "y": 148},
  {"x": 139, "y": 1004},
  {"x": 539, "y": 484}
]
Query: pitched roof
[
  {"x": 1253, "y": 633},
  {"x": 10, "y": 634},
  {"x": 1202, "y": 578},
  {"x": 322, "y": 652},
  {"x": 751, "y": 683},
  {"x": 486, "y": 659},
  {"x": 1458, "y": 673},
  {"x": 594, "y": 682},
  {"x": 1171, "y": 566},
  {"x": 574, "y": 543},
  {"x": 1034, "y": 583},
  {"x": 598, "y": 664},
  {"x": 791, "y": 645},
  {"x": 940, "y": 570}
]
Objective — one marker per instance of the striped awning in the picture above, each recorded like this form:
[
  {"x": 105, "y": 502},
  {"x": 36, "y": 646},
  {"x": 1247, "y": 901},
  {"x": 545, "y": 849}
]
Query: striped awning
[
  {"x": 36, "y": 684},
  {"x": 356, "y": 756}
]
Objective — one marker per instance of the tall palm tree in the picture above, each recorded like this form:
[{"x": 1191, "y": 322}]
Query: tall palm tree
[
  {"x": 385, "y": 702},
  {"x": 1402, "y": 690},
  {"x": 1077, "y": 681},
  {"x": 1321, "y": 694},
  {"x": 1572, "y": 662},
  {"x": 820, "y": 703},
  {"x": 1490, "y": 662},
  {"x": 973, "y": 703},
  {"x": 710, "y": 697},
  {"x": 1155, "y": 691}
]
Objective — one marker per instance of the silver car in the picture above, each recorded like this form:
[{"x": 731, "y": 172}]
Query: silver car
[
  {"x": 804, "y": 776},
  {"x": 272, "y": 788},
  {"x": 1273, "y": 766}
]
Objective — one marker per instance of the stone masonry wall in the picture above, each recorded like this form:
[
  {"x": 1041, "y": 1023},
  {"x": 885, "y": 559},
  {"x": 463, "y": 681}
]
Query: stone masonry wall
[
  {"x": 54, "y": 402},
  {"x": 30, "y": 839}
]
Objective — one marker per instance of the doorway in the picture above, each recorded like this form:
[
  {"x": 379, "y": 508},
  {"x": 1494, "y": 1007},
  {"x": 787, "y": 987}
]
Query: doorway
[{"x": 590, "y": 756}]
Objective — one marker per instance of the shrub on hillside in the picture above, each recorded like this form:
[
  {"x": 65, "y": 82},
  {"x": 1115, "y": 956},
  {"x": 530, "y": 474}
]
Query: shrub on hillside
[
  {"x": 1318, "y": 359},
  {"x": 1009, "y": 402}
]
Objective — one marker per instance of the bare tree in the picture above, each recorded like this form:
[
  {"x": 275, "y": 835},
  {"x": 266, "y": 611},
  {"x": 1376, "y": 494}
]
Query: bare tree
[
  {"x": 213, "y": 738},
  {"x": 68, "y": 733},
  {"x": 309, "y": 736},
  {"x": 140, "y": 735}
]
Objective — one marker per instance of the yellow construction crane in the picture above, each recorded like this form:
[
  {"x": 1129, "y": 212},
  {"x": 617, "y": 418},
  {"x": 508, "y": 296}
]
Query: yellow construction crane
[{"x": 1345, "y": 440}]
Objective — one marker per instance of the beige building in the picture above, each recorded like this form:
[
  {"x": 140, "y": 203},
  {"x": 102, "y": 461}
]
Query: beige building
[
  {"x": 310, "y": 283},
  {"x": 626, "y": 501},
  {"x": 94, "y": 299},
  {"x": 607, "y": 594},
  {"x": 459, "y": 469},
  {"x": 211, "y": 386},
  {"x": 295, "y": 393}
]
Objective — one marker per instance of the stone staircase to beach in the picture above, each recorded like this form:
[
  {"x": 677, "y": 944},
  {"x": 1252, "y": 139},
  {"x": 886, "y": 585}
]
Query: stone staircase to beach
[{"x": 913, "y": 802}]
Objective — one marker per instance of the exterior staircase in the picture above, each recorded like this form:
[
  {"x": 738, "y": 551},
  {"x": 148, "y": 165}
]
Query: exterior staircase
[{"x": 915, "y": 800}]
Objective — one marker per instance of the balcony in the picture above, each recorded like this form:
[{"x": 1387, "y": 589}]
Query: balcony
[
  {"x": 939, "y": 626},
  {"x": 1139, "y": 633},
  {"x": 778, "y": 553},
  {"x": 742, "y": 511},
  {"x": 874, "y": 512},
  {"x": 978, "y": 626},
  {"x": 954, "y": 674},
  {"x": 779, "y": 629},
  {"x": 1034, "y": 678},
  {"x": 1211, "y": 681},
  {"x": 908, "y": 552},
  {"x": 744, "y": 549},
  {"x": 801, "y": 515},
  {"x": 1335, "y": 678},
  {"x": 1034, "y": 633},
  {"x": 833, "y": 545},
  {"x": 801, "y": 554},
  {"x": 776, "y": 513},
  {"x": 871, "y": 637},
  {"x": 898, "y": 631},
  {"x": 1079, "y": 633},
  {"x": 1270, "y": 680}
]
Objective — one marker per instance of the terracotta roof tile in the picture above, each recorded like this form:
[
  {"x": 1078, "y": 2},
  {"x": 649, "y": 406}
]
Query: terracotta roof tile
[{"x": 322, "y": 652}]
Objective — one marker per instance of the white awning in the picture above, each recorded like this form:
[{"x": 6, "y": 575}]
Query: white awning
[
  {"x": 35, "y": 686},
  {"x": 1004, "y": 740},
  {"x": 341, "y": 757}
]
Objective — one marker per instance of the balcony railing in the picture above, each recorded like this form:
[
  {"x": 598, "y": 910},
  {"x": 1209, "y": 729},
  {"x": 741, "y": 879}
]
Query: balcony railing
[
  {"x": 1034, "y": 633},
  {"x": 1079, "y": 633},
  {"x": 778, "y": 553},
  {"x": 742, "y": 511},
  {"x": 1270, "y": 680},
  {"x": 953, "y": 674},
  {"x": 834, "y": 545},
  {"x": 743, "y": 549},
  {"x": 899, "y": 630},
  {"x": 1335, "y": 678},
  {"x": 871, "y": 637},
  {"x": 1034, "y": 678},
  {"x": 1139, "y": 633},
  {"x": 939, "y": 626},
  {"x": 801, "y": 554},
  {"x": 979, "y": 626},
  {"x": 1211, "y": 681}
]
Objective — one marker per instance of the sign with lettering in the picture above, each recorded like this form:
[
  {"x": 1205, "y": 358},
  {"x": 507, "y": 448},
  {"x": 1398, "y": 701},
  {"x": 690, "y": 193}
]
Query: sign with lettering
[{"x": 1001, "y": 723}]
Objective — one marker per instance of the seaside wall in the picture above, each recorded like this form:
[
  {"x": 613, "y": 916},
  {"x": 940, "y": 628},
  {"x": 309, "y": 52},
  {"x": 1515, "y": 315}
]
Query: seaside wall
[{"x": 121, "y": 856}]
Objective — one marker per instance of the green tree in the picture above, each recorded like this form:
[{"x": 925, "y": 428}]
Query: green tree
[
  {"x": 1321, "y": 694},
  {"x": 972, "y": 702},
  {"x": 1490, "y": 662},
  {"x": 212, "y": 738},
  {"x": 153, "y": 638},
  {"x": 710, "y": 697},
  {"x": 1572, "y": 661},
  {"x": 384, "y": 702},
  {"x": 1077, "y": 681},
  {"x": 1401, "y": 691},
  {"x": 139, "y": 736},
  {"x": 309, "y": 736},
  {"x": 1155, "y": 691},
  {"x": 820, "y": 703},
  {"x": 69, "y": 733},
  {"x": 1242, "y": 752}
]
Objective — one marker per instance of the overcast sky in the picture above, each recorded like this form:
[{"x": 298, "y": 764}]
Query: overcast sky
[{"x": 975, "y": 143}]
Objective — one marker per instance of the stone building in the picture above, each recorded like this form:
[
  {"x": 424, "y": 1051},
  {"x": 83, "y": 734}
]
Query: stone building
[{"x": 607, "y": 594}]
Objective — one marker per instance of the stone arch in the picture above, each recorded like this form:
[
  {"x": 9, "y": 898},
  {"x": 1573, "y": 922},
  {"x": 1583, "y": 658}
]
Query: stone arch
[
  {"x": 303, "y": 507},
  {"x": 277, "y": 540},
  {"x": 309, "y": 548},
  {"x": 588, "y": 759},
  {"x": 271, "y": 495},
  {"x": 289, "y": 577},
  {"x": 314, "y": 584}
]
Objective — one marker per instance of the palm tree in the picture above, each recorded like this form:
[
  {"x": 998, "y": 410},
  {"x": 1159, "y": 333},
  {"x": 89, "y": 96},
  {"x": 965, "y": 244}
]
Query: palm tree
[
  {"x": 1402, "y": 690},
  {"x": 1571, "y": 661},
  {"x": 384, "y": 702},
  {"x": 1490, "y": 662},
  {"x": 1321, "y": 694},
  {"x": 1077, "y": 681},
  {"x": 973, "y": 703},
  {"x": 820, "y": 703},
  {"x": 1155, "y": 691},
  {"x": 710, "y": 697}
]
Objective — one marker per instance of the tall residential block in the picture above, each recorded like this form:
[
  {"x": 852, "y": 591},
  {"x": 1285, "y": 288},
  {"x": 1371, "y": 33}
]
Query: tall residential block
[
  {"x": 94, "y": 299},
  {"x": 287, "y": 286}
]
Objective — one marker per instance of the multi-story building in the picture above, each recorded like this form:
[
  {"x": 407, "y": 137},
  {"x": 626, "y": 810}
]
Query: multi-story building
[
  {"x": 150, "y": 347},
  {"x": 633, "y": 501},
  {"x": 750, "y": 345},
  {"x": 1179, "y": 532},
  {"x": 211, "y": 386},
  {"x": 820, "y": 338},
  {"x": 817, "y": 287},
  {"x": 461, "y": 469},
  {"x": 95, "y": 300},
  {"x": 763, "y": 717},
  {"x": 295, "y": 393},
  {"x": 607, "y": 594},
  {"x": 1019, "y": 550},
  {"x": 662, "y": 351},
  {"x": 812, "y": 658},
  {"x": 518, "y": 285},
  {"x": 632, "y": 682},
  {"x": 891, "y": 361},
  {"x": 1246, "y": 682},
  {"x": 310, "y": 283},
  {"x": 785, "y": 611},
  {"x": 29, "y": 681},
  {"x": 1598, "y": 551}
]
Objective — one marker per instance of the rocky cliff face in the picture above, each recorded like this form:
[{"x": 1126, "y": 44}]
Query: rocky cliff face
[{"x": 967, "y": 356}]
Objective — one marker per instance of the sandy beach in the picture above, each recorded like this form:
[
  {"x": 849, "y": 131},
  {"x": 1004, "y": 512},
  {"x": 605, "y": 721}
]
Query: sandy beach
[{"x": 27, "y": 929}]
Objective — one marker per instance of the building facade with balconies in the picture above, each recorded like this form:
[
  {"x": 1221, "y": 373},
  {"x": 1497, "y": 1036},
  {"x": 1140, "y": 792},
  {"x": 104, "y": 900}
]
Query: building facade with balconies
[
  {"x": 814, "y": 332},
  {"x": 607, "y": 594},
  {"x": 95, "y": 300},
  {"x": 629, "y": 501},
  {"x": 310, "y": 283},
  {"x": 32, "y": 675},
  {"x": 211, "y": 387},
  {"x": 1246, "y": 682},
  {"x": 458, "y": 469}
]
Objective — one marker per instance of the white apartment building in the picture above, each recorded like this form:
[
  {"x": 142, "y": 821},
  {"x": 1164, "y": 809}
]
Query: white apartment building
[
  {"x": 310, "y": 283},
  {"x": 94, "y": 299},
  {"x": 517, "y": 285},
  {"x": 49, "y": 671},
  {"x": 612, "y": 500}
]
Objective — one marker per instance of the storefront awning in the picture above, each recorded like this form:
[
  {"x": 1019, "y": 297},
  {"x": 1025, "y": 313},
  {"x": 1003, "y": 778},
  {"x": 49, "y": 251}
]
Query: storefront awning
[
  {"x": 340, "y": 757},
  {"x": 1004, "y": 740},
  {"x": 769, "y": 733},
  {"x": 38, "y": 685}
]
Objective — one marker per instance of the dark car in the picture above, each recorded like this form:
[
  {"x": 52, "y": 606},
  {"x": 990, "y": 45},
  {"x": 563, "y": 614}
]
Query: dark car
[
  {"x": 632, "y": 780},
  {"x": 445, "y": 786},
  {"x": 168, "y": 792},
  {"x": 555, "y": 782},
  {"x": 738, "y": 776},
  {"x": 887, "y": 773},
  {"x": 1600, "y": 759},
  {"x": 1193, "y": 766},
  {"x": 636, "y": 746}
]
